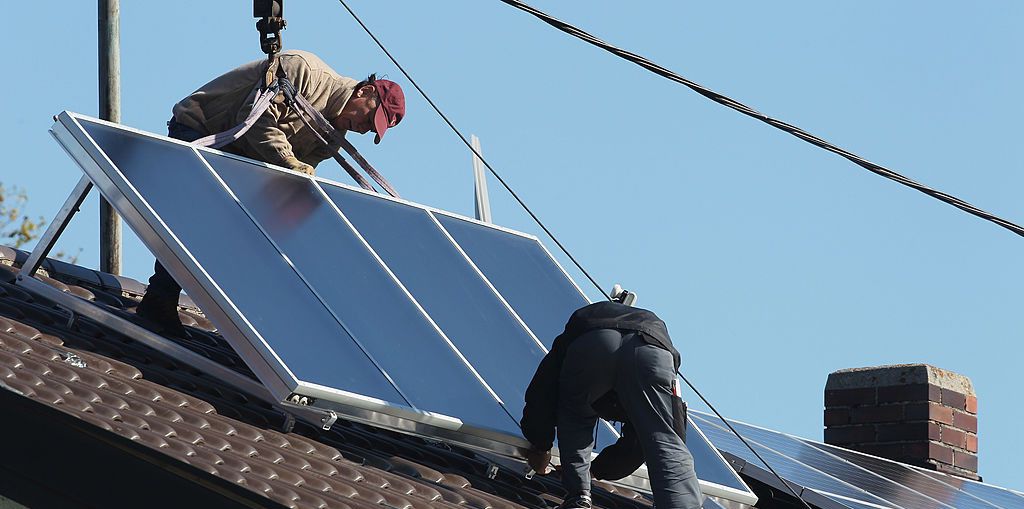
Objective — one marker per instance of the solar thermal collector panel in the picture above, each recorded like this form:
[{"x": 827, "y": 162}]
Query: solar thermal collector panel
[{"x": 365, "y": 329}]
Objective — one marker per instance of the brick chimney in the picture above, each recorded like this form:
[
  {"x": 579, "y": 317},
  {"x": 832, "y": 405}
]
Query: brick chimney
[{"x": 912, "y": 413}]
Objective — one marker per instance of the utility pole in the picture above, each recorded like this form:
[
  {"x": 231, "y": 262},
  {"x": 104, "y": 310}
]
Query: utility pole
[
  {"x": 482, "y": 202},
  {"x": 110, "y": 109}
]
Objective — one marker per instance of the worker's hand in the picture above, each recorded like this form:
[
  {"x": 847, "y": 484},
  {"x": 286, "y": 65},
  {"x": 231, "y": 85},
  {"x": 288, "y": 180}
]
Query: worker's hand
[
  {"x": 293, "y": 163},
  {"x": 539, "y": 461},
  {"x": 304, "y": 168}
]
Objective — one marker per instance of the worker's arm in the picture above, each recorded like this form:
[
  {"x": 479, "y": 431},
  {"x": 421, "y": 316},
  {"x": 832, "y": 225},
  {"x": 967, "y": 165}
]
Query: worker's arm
[
  {"x": 269, "y": 143},
  {"x": 619, "y": 459},
  {"x": 540, "y": 412},
  {"x": 266, "y": 138}
]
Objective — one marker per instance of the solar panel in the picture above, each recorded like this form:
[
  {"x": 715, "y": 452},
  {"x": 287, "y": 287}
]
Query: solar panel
[
  {"x": 707, "y": 462},
  {"x": 911, "y": 478},
  {"x": 993, "y": 494},
  {"x": 882, "y": 487},
  {"x": 365, "y": 302},
  {"x": 789, "y": 468},
  {"x": 898, "y": 484}
]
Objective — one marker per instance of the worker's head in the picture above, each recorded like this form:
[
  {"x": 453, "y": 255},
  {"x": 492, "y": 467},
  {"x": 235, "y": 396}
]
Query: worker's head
[{"x": 375, "y": 105}]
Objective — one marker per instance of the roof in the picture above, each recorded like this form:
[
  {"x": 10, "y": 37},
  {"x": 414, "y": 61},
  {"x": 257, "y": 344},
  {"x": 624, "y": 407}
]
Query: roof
[
  {"x": 128, "y": 391},
  {"x": 201, "y": 439}
]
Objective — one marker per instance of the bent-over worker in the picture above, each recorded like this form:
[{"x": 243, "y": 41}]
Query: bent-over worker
[
  {"x": 616, "y": 362},
  {"x": 279, "y": 136}
]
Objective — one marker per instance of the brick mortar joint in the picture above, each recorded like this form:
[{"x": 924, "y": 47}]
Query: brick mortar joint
[
  {"x": 959, "y": 450},
  {"x": 890, "y": 423},
  {"x": 950, "y": 426}
]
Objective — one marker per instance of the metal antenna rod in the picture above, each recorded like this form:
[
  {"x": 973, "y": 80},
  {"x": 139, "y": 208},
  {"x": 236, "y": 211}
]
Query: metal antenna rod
[
  {"x": 483, "y": 203},
  {"x": 110, "y": 109}
]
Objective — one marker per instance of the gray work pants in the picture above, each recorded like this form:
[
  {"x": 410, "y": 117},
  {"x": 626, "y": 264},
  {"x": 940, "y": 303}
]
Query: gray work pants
[{"x": 641, "y": 375}]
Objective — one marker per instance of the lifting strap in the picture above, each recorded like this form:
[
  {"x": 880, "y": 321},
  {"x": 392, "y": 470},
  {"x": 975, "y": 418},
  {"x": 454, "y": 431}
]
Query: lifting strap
[{"x": 313, "y": 119}]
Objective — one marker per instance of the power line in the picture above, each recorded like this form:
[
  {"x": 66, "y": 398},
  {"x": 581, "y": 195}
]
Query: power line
[
  {"x": 548, "y": 232},
  {"x": 470, "y": 147},
  {"x": 746, "y": 110}
]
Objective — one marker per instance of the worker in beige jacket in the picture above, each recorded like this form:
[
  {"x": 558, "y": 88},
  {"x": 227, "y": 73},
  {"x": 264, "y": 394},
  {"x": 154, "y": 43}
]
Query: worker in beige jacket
[{"x": 278, "y": 137}]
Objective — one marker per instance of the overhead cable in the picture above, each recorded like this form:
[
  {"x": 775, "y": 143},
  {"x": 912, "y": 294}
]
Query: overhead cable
[
  {"x": 475, "y": 152},
  {"x": 785, "y": 483},
  {"x": 746, "y": 110}
]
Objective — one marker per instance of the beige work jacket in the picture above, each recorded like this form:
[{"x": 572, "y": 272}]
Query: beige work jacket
[{"x": 280, "y": 136}]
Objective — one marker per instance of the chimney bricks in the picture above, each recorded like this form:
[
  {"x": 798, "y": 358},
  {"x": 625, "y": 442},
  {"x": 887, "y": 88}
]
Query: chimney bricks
[{"x": 912, "y": 413}]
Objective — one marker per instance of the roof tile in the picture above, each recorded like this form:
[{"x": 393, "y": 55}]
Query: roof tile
[{"x": 110, "y": 381}]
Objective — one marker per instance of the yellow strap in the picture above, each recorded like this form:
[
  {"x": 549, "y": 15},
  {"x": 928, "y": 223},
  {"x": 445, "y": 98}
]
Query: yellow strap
[{"x": 272, "y": 64}]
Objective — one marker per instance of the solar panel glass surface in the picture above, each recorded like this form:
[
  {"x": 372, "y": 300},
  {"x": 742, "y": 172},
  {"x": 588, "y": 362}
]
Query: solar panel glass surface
[
  {"x": 452, "y": 293},
  {"x": 706, "y": 461},
  {"x": 523, "y": 273},
  {"x": 789, "y": 468},
  {"x": 245, "y": 265},
  {"x": 909, "y": 477},
  {"x": 994, "y": 494},
  {"x": 359, "y": 291},
  {"x": 837, "y": 467}
]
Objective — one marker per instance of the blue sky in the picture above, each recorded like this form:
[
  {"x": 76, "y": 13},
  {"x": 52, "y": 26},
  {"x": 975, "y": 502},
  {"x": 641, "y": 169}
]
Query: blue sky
[{"x": 773, "y": 262}]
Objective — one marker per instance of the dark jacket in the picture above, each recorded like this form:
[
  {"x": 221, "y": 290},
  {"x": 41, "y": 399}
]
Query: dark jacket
[{"x": 541, "y": 411}]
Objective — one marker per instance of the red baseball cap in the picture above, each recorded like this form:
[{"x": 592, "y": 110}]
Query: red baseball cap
[{"x": 391, "y": 107}]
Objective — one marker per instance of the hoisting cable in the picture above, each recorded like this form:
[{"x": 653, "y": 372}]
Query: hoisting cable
[
  {"x": 552, "y": 236},
  {"x": 746, "y": 110}
]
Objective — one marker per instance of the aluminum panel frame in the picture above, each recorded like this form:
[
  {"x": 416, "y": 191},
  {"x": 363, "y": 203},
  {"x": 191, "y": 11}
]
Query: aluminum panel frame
[{"x": 280, "y": 382}]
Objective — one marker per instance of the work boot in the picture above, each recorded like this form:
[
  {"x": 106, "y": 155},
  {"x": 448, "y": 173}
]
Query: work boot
[
  {"x": 162, "y": 312},
  {"x": 581, "y": 501}
]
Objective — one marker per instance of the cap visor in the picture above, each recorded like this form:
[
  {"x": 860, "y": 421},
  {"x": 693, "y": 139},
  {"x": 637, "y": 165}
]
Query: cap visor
[{"x": 380, "y": 123}]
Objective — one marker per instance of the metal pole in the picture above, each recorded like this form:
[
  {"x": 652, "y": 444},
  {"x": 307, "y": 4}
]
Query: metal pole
[
  {"x": 482, "y": 202},
  {"x": 110, "y": 109}
]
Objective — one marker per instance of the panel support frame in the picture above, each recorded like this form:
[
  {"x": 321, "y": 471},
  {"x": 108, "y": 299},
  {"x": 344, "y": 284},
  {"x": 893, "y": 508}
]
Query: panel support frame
[
  {"x": 324, "y": 418},
  {"x": 146, "y": 337},
  {"x": 53, "y": 232}
]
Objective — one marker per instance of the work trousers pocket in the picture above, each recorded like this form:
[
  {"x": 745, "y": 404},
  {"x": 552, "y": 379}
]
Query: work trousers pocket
[{"x": 679, "y": 417}]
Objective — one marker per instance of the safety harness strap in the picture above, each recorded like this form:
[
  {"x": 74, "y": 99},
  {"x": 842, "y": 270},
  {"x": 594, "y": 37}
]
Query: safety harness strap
[
  {"x": 235, "y": 133},
  {"x": 312, "y": 117},
  {"x": 270, "y": 87},
  {"x": 321, "y": 123}
]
